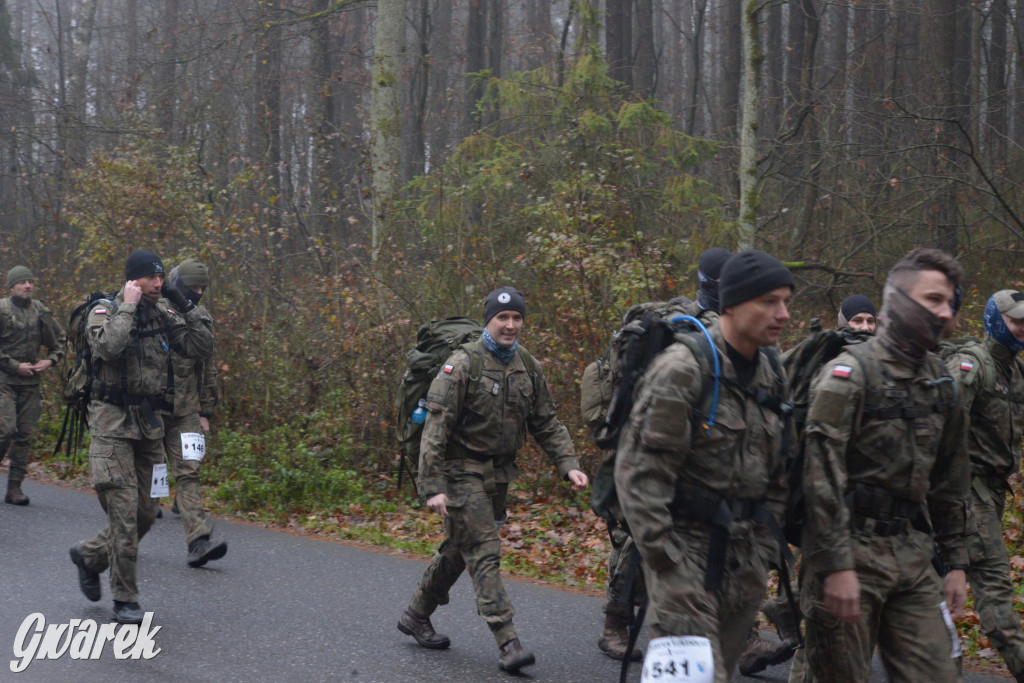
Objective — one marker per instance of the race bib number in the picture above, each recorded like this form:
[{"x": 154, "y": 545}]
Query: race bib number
[
  {"x": 160, "y": 488},
  {"x": 956, "y": 651},
  {"x": 193, "y": 446},
  {"x": 679, "y": 659}
]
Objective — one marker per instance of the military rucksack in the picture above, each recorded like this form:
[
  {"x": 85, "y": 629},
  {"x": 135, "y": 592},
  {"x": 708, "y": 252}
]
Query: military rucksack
[
  {"x": 602, "y": 377},
  {"x": 801, "y": 364},
  {"x": 435, "y": 342},
  {"x": 79, "y": 379}
]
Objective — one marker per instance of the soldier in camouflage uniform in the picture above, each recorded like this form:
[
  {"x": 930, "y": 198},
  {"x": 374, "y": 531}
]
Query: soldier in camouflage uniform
[
  {"x": 885, "y": 479},
  {"x": 473, "y": 430},
  {"x": 25, "y": 325},
  {"x": 991, "y": 377},
  {"x": 131, "y": 342},
  {"x": 625, "y": 587},
  {"x": 704, "y": 504},
  {"x": 195, "y": 394}
]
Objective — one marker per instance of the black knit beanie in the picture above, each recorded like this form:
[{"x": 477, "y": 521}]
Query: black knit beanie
[
  {"x": 858, "y": 303},
  {"x": 503, "y": 299},
  {"x": 708, "y": 272},
  {"x": 749, "y": 274},
  {"x": 141, "y": 263}
]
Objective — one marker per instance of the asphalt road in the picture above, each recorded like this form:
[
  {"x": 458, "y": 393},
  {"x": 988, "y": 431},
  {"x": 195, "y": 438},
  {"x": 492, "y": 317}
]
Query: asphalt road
[{"x": 278, "y": 607}]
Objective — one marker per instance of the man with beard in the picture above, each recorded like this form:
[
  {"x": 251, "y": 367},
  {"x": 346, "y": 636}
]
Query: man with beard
[
  {"x": 131, "y": 342},
  {"x": 25, "y": 325},
  {"x": 886, "y": 480}
]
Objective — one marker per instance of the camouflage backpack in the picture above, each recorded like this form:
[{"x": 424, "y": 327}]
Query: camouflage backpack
[
  {"x": 78, "y": 384},
  {"x": 435, "y": 342}
]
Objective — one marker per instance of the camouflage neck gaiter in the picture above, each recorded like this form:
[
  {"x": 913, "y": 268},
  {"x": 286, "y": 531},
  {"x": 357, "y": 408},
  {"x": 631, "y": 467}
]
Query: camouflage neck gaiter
[{"x": 908, "y": 329}]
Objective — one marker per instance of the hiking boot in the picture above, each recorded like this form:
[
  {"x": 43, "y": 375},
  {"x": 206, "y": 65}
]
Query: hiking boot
[
  {"x": 779, "y": 614},
  {"x": 88, "y": 580},
  {"x": 159, "y": 513},
  {"x": 614, "y": 640},
  {"x": 512, "y": 656},
  {"x": 14, "y": 495},
  {"x": 203, "y": 550},
  {"x": 762, "y": 653},
  {"x": 127, "y": 612},
  {"x": 174, "y": 508},
  {"x": 414, "y": 624}
]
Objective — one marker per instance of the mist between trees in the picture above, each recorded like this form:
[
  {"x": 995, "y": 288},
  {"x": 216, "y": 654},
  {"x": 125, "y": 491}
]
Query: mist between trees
[{"x": 349, "y": 170}]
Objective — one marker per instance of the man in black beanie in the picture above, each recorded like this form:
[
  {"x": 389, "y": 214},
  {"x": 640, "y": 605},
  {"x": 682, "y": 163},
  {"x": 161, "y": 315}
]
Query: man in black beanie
[
  {"x": 857, "y": 312},
  {"x": 683, "y": 458},
  {"x": 130, "y": 340},
  {"x": 708, "y": 272}
]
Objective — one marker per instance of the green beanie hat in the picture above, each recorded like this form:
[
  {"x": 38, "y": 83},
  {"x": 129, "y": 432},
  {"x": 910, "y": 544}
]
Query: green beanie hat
[
  {"x": 18, "y": 274},
  {"x": 193, "y": 273}
]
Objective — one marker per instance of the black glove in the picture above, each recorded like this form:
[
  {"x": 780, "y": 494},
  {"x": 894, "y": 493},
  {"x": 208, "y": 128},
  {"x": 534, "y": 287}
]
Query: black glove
[{"x": 178, "y": 294}]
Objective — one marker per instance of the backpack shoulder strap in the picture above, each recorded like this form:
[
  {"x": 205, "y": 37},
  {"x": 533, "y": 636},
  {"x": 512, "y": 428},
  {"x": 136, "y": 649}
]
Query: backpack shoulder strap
[{"x": 703, "y": 413}]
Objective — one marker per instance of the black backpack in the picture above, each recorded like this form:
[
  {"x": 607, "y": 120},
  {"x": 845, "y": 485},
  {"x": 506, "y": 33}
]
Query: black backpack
[
  {"x": 79, "y": 379},
  {"x": 635, "y": 346},
  {"x": 801, "y": 364}
]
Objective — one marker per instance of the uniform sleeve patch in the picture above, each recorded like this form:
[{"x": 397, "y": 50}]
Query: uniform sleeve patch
[
  {"x": 448, "y": 368},
  {"x": 966, "y": 366},
  {"x": 99, "y": 311},
  {"x": 841, "y": 371}
]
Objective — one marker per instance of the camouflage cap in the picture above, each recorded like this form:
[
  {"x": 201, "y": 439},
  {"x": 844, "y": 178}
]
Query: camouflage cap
[
  {"x": 18, "y": 274},
  {"x": 1010, "y": 303}
]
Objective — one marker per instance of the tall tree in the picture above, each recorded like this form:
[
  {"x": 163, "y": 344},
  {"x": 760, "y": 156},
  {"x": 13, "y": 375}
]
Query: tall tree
[
  {"x": 748, "y": 175},
  {"x": 645, "y": 67},
  {"x": 618, "y": 39},
  {"x": 385, "y": 111}
]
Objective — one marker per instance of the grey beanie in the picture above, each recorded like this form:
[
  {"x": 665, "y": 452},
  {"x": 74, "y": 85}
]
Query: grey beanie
[
  {"x": 749, "y": 274},
  {"x": 503, "y": 299},
  {"x": 18, "y": 274}
]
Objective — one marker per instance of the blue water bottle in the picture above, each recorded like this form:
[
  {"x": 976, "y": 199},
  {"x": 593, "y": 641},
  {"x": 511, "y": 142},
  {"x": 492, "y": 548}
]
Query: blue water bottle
[{"x": 420, "y": 414}]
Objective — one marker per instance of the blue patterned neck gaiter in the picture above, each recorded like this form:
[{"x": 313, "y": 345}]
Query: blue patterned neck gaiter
[{"x": 499, "y": 351}]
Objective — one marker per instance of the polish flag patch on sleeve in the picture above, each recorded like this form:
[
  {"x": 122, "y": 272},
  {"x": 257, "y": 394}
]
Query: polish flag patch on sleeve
[
  {"x": 840, "y": 370},
  {"x": 966, "y": 366},
  {"x": 99, "y": 311},
  {"x": 448, "y": 368}
]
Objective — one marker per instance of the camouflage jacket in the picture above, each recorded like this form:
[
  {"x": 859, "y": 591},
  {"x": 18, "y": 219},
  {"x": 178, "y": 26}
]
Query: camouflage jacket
[
  {"x": 468, "y": 425},
  {"x": 992, "y": 394},
  {"x": 132, "y": 349},
  {"x": 23, "y": 329},
  {"x": 662, "y": 449},
  {"x": 919, "y": 458},
  {"x": 195, "y": 380}
]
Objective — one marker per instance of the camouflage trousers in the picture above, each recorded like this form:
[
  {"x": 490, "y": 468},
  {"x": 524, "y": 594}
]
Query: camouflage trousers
[
  {"x": 989, "y": 577},
  {"x": 623, "y": 554},
  {"x": 121, "y": 472},
  {"x": 681, "y": 605},
  {"x": 900, "y": 597},
  {"x": 186, "y": 476},
  {"x": 472, "y": 544},
  {"x": 20, "y": 409}
]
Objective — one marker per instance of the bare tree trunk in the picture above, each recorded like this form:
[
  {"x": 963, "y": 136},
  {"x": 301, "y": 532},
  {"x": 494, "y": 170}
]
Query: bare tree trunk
[
  {"x": 696, "y": 65},
  {"x": 76, "y": 107},
  {"x": 167, "y": 70},
  {"x": 748, "y": 128},
  {"x": 732, "y": 68},
  {"x": 618, "y": 38},
  {"x": 997, "y": 132},
  {"x": 476, "y": 62},
  {"x": 645, "y": 67},
  {"x": 385, "y": 111},
  {"x": 418, "y": 90},
  {"x": 268, "y": 100}
]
